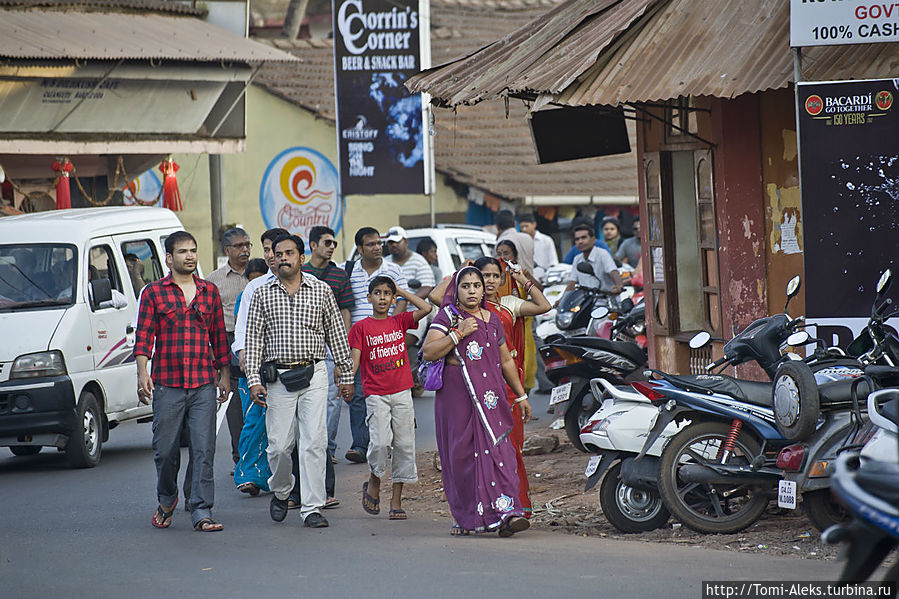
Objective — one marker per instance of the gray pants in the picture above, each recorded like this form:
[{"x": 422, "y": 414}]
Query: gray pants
[{"x": 174, "y": 408}]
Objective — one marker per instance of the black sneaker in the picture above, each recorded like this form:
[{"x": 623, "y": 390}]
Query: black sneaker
[
  {"x": 315, "y": 520},
  {"x": 278, "y": 509},
  {"x": 355, "y": 456}
]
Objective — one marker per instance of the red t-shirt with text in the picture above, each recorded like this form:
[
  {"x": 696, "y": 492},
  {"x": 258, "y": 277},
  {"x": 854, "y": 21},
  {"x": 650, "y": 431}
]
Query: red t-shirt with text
[{"x": 382, "y": 342}]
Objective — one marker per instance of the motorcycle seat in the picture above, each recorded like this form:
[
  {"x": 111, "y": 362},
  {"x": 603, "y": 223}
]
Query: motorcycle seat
[
  {"x": 752, "y": 392},
  {"x": 880, "y": 479},
  {"x": 838, "y": 394},
  {"x": 629, "y": 350}
]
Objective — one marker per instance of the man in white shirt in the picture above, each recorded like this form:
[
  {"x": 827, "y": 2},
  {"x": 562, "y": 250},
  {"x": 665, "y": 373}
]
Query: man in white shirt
[
  {"x": 545, "y": 254},
  {"x": 414, "y": 267},
  {"x": 605, "y": 274},
  {"x": 369, "y": 265}
]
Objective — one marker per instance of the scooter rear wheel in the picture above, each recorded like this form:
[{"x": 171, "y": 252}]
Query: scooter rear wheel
[
  {"x": 627, "y": 508},
  {"x": 703, "y": 507},
  {"x": 823, "y": 510}
]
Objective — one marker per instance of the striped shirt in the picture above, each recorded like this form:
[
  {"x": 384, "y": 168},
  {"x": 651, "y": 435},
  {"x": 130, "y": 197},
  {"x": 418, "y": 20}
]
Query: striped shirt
[
  {"x": 230, "y": 284},
  {"x": 416, "y": 267},
  {"x": 287, "y": 328},
  {"x": 337, "y": 280},
  {"x": 359, "y": 281}
]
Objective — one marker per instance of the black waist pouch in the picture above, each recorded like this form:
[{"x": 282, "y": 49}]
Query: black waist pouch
[{"x": 297, "y": 378}]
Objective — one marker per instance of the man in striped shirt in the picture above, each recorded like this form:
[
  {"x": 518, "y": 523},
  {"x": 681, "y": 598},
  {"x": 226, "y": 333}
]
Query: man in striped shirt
[
  {"x": 292, "y": 322},
  {"x": 370, "y": 265}
]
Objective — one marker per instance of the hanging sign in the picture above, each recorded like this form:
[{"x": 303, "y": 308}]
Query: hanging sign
[
  {"x": 849, "y": 165},
  {"x": 835, "y": 22},
  {"x": 299, "y": 191},
  {"x": 145, "y": 190},
  {"x": 381, "y": 141}
]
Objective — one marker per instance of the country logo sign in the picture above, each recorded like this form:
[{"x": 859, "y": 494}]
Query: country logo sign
[
  {"x": 299, "y": 191},
  {"x": 144, "y": 190},
  {"x": 883, "y": 100},
  {"x": 814, "y": 105}
]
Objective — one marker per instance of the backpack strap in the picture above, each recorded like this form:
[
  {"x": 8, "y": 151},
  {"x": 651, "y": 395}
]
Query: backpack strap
[{"x": 349, "y": 266}]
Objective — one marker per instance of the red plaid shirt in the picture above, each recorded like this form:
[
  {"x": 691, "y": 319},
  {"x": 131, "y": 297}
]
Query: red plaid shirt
[{"x": 189, "y": 340}]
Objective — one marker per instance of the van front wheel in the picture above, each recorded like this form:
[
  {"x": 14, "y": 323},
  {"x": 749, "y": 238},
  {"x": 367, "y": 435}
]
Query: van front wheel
[{"x": 83, "y": 448}]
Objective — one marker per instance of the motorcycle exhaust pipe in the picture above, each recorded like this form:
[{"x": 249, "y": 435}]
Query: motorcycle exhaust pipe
[{"x": 723, "y": 474}]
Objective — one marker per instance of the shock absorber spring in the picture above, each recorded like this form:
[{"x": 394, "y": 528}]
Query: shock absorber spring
[{"x": 728, "y": 446}]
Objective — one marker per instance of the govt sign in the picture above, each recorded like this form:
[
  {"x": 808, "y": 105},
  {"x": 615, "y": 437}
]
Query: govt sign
[{"x": 834, "y": 22}]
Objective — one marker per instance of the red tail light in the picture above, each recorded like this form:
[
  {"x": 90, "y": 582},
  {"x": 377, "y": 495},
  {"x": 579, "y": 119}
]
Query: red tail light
[
  {"x": 559, "y": 358},
  {"x": 648, "y": 389},
  {"x": 791, "y": 458}
]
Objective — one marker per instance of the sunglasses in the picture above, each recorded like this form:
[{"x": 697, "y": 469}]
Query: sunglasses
[
  {"x": 329, "y": 243},
  {"x": 241, "y": 246}
]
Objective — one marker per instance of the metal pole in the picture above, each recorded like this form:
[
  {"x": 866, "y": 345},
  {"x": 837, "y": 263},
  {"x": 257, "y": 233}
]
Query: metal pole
[
  {"x": 797, "y": 77},
  {"x": 216, "y": 204},
  {"x": 432, "y": 131}
]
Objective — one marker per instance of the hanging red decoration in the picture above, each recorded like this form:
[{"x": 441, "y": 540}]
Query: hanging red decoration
[
  {"x": 171, "y": 195},
  {"x": 63, "y": 169}
]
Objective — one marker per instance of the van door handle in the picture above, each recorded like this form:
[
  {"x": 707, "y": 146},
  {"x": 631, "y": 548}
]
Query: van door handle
[
  {"x": 129, "y": 335},
  {"x": 129, "y": 329}
]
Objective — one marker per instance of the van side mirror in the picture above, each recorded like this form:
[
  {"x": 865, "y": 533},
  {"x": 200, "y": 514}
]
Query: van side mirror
[{"x": 101, "y": 291}]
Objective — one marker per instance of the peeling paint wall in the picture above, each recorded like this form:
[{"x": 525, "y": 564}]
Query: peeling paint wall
[{"x": 783, "y": 216}]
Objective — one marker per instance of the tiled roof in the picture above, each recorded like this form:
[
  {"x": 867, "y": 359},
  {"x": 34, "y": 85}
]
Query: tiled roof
[
  {"x": 477, "y": 145},
  {"x": 160, "y": 6}
]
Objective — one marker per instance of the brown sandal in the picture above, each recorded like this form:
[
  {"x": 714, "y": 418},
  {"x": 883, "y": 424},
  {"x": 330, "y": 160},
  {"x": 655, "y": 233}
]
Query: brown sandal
[{"x": 207, "y": 525}]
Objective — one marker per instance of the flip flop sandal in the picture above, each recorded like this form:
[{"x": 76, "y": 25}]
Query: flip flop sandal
[
  {"x": 162, "y": 518},
  {"x": 458, "y": 531},
  {"x": 331, "y": 503},
  {"x": 293, "y": 503},
  {"x": 208, "y": 525},
  {"x": 397, "y": 515},
  {"x": 369, "y": 503},
  {"x": 250, "y": 488},
  {"x": 513, "y": 525}
]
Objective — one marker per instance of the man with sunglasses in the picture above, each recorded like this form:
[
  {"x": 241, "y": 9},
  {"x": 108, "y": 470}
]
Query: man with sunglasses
[
  {"x": 230, "y": 282},
  {"x": 322, "y": 245}
]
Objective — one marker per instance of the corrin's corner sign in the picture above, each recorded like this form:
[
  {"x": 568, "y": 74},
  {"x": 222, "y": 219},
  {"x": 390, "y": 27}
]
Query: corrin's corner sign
[{"x": 379, "y": 123}]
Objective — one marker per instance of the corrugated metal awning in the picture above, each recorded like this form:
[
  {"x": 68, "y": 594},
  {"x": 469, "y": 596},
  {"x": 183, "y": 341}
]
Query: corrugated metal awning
[
  {"x": 651, "y": 50},
  {"x": 38, "y": 34}
]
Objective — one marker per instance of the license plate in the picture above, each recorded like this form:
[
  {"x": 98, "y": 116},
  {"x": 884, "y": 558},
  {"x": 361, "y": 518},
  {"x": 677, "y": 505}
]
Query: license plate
[
  {"x": 592, "y": 465},
  {"x": 786, "y": 494},
  {"x": 560, "y": 394}
]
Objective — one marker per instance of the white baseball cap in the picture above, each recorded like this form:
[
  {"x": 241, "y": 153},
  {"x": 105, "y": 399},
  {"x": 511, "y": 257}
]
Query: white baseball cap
[{"x": 396, "y": 234}]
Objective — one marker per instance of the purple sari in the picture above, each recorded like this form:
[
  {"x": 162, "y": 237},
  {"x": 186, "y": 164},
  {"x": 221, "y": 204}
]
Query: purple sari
[{"x": 473, "y": 421}]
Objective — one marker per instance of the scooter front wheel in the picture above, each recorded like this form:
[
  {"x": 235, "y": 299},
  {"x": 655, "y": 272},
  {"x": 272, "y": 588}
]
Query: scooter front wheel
[
  {"x": 627, "y": 508},
  {"x": 710, "y": 507}
]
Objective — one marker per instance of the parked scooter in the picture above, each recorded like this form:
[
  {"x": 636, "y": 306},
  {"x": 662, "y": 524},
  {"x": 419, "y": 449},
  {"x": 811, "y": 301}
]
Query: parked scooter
[
  {"x": 808, "y": 465},
  {"x": 571, "y": 362},
  {"x": 869, "y": 488},
  {"x": 629, "y": 492}
]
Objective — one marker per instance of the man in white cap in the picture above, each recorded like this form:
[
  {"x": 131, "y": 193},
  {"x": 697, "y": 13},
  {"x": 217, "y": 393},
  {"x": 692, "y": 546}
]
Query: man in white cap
[{"x": 414, "y": 266}]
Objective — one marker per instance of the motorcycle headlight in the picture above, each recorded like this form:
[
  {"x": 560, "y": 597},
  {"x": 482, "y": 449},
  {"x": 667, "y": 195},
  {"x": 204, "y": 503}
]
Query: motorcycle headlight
[
  {"x": 45, "y": 363},
  {"x": 563, "y": 319}
]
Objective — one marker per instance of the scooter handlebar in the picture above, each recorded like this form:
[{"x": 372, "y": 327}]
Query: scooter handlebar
[{"x": 717, "y": 363}]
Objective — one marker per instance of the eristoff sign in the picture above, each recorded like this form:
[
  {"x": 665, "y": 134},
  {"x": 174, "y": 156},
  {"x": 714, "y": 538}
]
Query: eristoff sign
[
  {"x": 380, "y": 135},
  {"x": 835, "y": 22}
]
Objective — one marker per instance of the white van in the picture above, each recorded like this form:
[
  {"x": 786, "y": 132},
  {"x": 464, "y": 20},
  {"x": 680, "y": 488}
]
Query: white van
[{"x": 69, "y": 283}]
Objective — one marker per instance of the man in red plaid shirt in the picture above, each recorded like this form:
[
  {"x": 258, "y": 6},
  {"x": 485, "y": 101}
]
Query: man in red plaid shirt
[{"x": 182, "y": 316}]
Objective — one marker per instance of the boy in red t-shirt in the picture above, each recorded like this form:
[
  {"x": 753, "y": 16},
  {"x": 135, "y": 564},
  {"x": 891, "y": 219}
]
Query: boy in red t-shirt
[{"x": 378, "y": 343}]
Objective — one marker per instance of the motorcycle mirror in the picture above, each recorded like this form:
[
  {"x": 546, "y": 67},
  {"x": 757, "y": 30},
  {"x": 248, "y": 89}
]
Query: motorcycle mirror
[
  {"x": 700, "y": 339},
  {"x": 627, "y": 305},
  {"x": 599, "y": 312},
  {"x": 792, "y": 289},
  {"x": 414, "y": 284},
  {"x": 798, "y": 338},
  {"x": 585, "y": 268},
  {"x": 884, "y": 283}
]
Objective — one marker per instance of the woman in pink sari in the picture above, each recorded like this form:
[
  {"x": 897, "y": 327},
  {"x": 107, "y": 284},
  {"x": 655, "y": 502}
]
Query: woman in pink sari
[{"x": 472, "y": 417}]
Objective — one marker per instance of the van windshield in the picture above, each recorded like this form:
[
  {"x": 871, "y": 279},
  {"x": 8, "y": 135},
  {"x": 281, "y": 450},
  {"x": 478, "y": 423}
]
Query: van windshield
[{"x": 34, "y": 276}]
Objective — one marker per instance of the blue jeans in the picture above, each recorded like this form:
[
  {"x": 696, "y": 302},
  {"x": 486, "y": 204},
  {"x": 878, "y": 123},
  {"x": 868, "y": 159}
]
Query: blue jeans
[
  {"x": 334, "y": 406},
  {"x": 174, "y": 408},
  {"x": 357, "y": 416}
]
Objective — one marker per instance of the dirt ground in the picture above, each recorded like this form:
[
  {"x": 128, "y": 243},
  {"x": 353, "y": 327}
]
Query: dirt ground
[{"x": 560, "y": 505}]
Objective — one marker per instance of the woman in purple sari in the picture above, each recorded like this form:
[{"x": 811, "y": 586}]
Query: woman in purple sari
[{"x": 472, "y": 418}]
